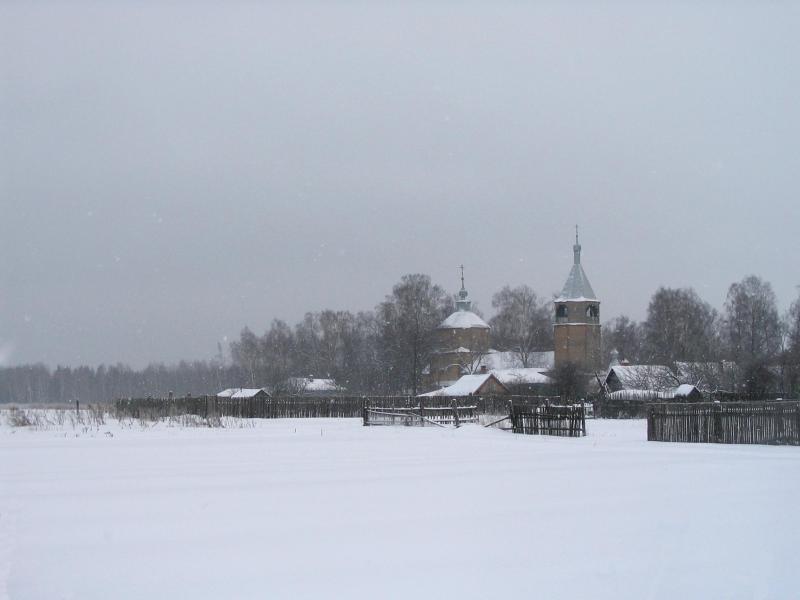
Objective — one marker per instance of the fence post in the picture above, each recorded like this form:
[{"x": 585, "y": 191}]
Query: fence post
[
  {"x": 422, "y": 411},
  {"x": 454, "y": 406},
  {"x": 583, "y": 419},
  {"x": 796, "y": 437},
  {"x": 716, "y": 412}
]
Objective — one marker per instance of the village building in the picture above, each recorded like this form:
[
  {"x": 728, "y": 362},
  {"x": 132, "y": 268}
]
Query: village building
[
  {"x": 525, "y": 381},
  {"x": 480, "y": 384},
  {"x": 684, "y": 392},
  {"x": 577, "y": 319},
  {"x": 640, "y": 377}
]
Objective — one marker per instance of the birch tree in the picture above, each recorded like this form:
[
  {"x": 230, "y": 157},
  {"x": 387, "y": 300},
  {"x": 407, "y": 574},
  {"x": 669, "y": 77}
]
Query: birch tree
[
  {"x": 752, "y": 327},
  {"x": 522, "y": 323}
]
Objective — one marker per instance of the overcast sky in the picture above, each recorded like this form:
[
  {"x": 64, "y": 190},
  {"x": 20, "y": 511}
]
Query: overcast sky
[{"x": 170, "y": 173}]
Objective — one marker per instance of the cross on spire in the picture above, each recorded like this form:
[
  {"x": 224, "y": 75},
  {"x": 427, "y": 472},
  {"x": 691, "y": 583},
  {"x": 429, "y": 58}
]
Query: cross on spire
[{"x": 462, "y": 303}]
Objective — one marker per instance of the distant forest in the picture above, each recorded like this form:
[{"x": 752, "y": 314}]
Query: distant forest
[{"x": 384, "y": 351}]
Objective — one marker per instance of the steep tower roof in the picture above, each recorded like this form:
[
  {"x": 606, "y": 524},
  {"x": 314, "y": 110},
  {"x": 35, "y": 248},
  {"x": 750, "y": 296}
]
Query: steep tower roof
[{"x": 577, "y": 286}]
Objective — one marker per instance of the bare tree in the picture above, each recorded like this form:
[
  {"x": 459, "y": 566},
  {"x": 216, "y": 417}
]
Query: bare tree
[
  {"x": 320, "y": 341},
  {"x": 680, "y": 326},
  {"x": 278, "y": 347},
  {"x": 625, "y": 336},
  {"x": 522, "y": 323},
  {"x": 793, "y": 331},
  {"x": 791, "y": 354},
  {"x": 752, "y": 327},
  {"x": 361, "y": 367},
  {"x": 408, "y": 318},
  {"x": 247, "y": 353}
]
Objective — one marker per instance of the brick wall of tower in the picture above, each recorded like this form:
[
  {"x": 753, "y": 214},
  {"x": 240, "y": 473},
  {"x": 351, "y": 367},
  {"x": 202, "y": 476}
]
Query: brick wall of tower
[
  {"x": 445, "y": 362},
  {"x": 578, "y": 343},
  {"x": 474, "y": 338}
]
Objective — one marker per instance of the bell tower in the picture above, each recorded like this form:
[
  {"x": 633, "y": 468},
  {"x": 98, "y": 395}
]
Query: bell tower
[{"x": 577, "y": 319}]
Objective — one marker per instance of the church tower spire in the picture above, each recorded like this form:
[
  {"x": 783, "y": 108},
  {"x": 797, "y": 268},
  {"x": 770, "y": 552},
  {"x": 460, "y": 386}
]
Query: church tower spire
[
  {"x": 576, "y": 249},
  {"x": 462, "y": 303}
]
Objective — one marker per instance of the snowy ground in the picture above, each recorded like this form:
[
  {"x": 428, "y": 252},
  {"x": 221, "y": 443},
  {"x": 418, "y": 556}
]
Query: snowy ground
[{"x": 331, "y": 509}]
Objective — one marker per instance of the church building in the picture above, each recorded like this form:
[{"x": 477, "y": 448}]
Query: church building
[{"x": 462, "y": 339}]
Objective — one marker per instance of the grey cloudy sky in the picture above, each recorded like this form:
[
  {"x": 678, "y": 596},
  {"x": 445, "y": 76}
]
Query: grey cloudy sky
[{"x": 172, "y": 172}]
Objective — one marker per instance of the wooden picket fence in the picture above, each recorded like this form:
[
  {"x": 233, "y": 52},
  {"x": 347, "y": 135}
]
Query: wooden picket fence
[
  {"x": 567, "y": 421},
  {"x": 729, "y": 423},
  {"x": 246, "y": 408},
  {"x": 314, "y": 407}
]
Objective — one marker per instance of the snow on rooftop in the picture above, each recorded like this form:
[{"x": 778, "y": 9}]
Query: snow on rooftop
[
  {"x": 682, "y": 391},
  {"x": 312, "y": 384},
  {"x": 575, "y": 299},
  {"x": 463, "y": 319},
  {"x": 240, "y": 392},
  {"x": 465, "y": 386},
  {"x": 522, "y": 376},
  {"x": 639, "y": 395},
  {"x": 247, "y": 392}
]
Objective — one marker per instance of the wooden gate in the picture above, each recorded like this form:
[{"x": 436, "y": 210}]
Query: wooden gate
[{"x": 439, "y": 414}]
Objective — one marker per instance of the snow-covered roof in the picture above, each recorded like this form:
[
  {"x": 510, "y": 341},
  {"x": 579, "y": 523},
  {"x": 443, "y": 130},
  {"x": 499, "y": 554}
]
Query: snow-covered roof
[
  {"x": 637, "y": 395},
  {"x": 248, "y": 392},
  {"x": 312, "y": 384},
  {"x": 521, "y": 376},
  {"x": 495, "y": 360},
  {"x": 467, "y": 385},
  {"x": 240, "y": 392},
  {"x": 682, "y": 391},
  {"x": 463, "y": 319},
  {"x": 647, "y": 377}
]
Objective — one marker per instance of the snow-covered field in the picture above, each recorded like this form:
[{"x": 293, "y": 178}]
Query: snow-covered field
[{"x": 331, "y": 509}]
